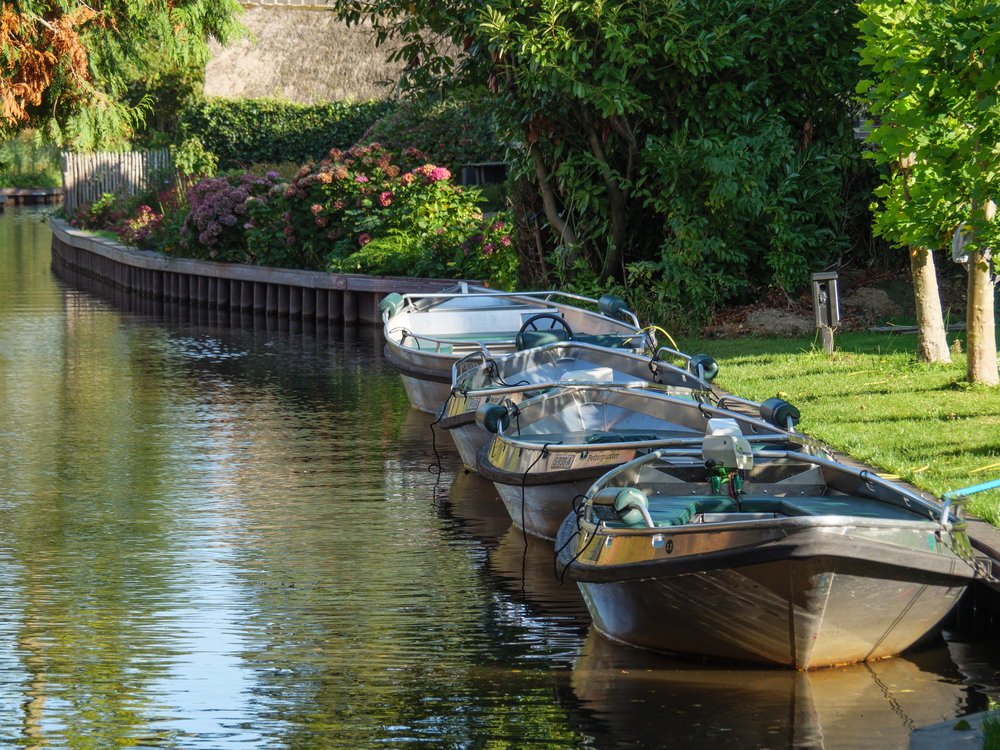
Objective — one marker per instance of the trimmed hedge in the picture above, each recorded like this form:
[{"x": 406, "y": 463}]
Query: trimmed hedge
[{"x": 248, "y": 131}]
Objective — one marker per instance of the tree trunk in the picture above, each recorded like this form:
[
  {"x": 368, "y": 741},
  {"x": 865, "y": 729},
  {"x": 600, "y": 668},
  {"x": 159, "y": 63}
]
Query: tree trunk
[
  {"x": 566, "y": 233},
  {"x": 980, "y": 323},
  {"x": 932, "y": 339}
]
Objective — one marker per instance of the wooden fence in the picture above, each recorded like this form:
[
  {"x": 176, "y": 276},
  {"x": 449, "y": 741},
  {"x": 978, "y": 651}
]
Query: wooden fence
[{"x": 86, "y": 177}]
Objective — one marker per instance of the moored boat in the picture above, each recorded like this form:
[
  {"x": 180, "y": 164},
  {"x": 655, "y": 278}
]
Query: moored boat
[
  {"x": 789, "y": 559},
  {"x": 426, "y": 334},
  {"x": 550, "y": 449},
  {"x": 480, "y": 380}
]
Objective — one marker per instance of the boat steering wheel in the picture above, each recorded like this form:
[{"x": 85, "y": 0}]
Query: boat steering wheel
[{"x": 530, "y": 323}]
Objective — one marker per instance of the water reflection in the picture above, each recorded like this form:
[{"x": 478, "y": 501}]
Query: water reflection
[
  {"x": 623, "y": 697},
  {"x": 221, "y": 530}
]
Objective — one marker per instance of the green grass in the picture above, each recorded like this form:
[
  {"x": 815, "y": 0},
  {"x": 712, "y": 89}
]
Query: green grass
[
  {"x": 991, "y": 730},
  {"x": 872, "y": 400}
]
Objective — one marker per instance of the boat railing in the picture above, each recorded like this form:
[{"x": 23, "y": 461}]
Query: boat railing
[
  {"x": 564, "y": 385},
  {"x": 943, "y": 512},
  {"x": 484, "y": 358},
  {"x": 544, "y": 296},
  {"x": 406, "y": 333},
  {"x": 556, "y": 346},
  {"x": 626, "y": 445}
]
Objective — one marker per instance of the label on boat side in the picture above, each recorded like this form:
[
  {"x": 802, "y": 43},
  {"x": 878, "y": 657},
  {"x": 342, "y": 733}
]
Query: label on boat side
[
  {"x": 561, "y": 461},
  {"x": 472, "y": 403}
]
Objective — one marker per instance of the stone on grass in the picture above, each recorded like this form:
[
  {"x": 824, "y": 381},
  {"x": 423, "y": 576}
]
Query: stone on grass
[
  {"x": 873, "y": 304},
  {"x": 779, "y": 323}
]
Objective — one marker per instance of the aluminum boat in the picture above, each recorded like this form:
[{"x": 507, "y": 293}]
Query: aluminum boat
[
  {"x": 784, "y": 558},
  {"x": 478, "y": 380},
  {"x": 548, "y": 450},
  {"x": 426, "y": 334}
]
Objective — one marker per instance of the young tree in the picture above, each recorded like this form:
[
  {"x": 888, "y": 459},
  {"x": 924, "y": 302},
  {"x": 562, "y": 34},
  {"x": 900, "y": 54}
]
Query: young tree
[
  {"x": 64, "y": 61},
  {"x": 937, "y": 68}
]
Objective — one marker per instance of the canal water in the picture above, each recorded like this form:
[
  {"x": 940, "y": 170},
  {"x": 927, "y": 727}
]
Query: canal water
[{"x": 223, "y": 532}]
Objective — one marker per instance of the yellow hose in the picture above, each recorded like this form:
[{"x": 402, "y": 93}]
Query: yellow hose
[{"x": 660, "y": 330}]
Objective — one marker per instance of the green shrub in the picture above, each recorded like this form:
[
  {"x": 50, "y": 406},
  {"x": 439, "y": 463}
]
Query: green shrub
[
  {"x": 421, "y": 224},
  {"x": 191, "y": 158},
  {"x": 451, "y": 134},
  {"x": 25, "y": 164},
  {"x": 247, "y": 131}
]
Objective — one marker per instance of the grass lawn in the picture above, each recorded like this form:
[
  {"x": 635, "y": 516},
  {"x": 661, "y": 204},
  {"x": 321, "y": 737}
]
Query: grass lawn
[{"x": 872, "y": 400}]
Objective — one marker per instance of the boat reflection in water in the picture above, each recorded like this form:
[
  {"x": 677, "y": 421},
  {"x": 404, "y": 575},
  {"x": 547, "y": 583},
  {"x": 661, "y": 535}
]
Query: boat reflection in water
[
  {"x": 622, "y": 697},
  {"x": 522, "y": 576}
]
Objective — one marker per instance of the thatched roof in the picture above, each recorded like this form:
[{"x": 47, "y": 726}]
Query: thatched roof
[{"x": 302, "y": 55}]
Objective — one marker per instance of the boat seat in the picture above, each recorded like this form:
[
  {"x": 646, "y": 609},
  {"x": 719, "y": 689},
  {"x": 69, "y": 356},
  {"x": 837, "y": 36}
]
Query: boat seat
[
  {"x": 846, "y": 505},
  {"x": 677, "y": 510}
]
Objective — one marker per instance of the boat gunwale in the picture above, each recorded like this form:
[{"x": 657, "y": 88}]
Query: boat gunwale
[
  {"x": 413, "y": 371},
  {"x": 809, "y": 542},
  {"x": 541, "y": 478}
]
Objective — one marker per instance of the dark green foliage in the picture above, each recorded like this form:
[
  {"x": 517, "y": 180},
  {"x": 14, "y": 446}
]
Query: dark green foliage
[
  {"x": 451, "y": 134},
  {"x": 247, "y": 131},
  {"x": 696, "y": 149}
]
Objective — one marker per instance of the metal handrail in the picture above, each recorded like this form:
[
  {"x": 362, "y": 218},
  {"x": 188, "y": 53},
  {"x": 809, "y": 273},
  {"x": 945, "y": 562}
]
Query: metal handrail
[
  {"x": 406, "y": 333},
  {"x": 563, "y": 384},
  {"x": 701, "y": 384},
  {"x": 634, "y": 445},
  {"x": 942, "y": 512},
  {"x": 544, "y": 295},
  {"x": 458, "y": 363}
]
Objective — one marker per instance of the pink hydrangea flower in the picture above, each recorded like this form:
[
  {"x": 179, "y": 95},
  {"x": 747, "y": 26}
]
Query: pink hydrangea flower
[
  {"x": 407, "y": 178},
  {"x": 439, "y": 173},
  {"x": 497, "y": 226},
  {"x": 316, "y": 208},
  {"x": 364, "y": 239},
  {"x": 488, "y": 248},
  {"x": 385, "y": 198},
  {"x": 361, "y": 178},
  {"x": 505, "y": 240}
]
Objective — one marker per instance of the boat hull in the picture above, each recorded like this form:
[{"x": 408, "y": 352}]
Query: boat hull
[
  {"x": 815, "y": 598},
  {"x": 426, "y": 388},
  {"x": 542, "y": 505},
  {"x": 425, "y": 395},
  {"x": 469, "y": 439},
  {"x": 547, "y": 496}
]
